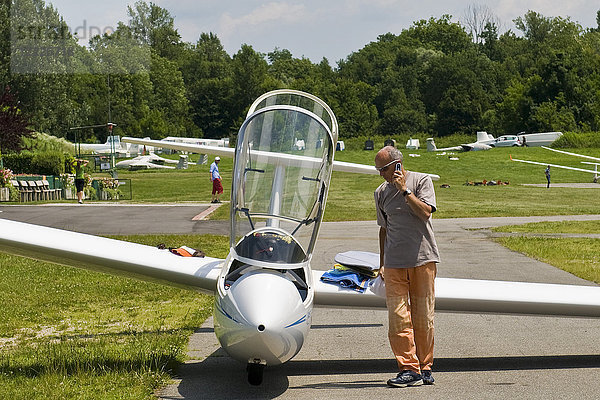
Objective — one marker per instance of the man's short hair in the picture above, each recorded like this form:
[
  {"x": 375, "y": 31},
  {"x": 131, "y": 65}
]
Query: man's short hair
[{"x": 394, "y": 153}]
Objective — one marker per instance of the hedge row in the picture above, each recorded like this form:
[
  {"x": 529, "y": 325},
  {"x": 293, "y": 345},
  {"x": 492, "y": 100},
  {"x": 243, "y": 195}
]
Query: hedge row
[
  {"x": 578, "y": 140},
  {"x": 26, "y": 162}
]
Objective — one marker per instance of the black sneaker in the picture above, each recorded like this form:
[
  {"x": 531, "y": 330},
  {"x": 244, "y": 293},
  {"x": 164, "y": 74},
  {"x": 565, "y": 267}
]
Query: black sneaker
[
  {"x": 427, "y": 377},
  {"x": 406, "y": 378}
]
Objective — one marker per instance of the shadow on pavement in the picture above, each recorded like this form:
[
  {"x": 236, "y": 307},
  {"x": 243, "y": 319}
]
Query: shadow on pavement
[{"x": 219, "y": 376}]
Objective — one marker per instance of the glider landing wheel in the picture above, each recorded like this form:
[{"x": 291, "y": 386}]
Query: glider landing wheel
[{"x": 255, "y": 373}]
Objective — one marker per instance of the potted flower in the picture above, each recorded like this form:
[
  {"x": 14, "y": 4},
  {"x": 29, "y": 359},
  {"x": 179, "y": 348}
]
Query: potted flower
[
  {"x": 109, "y": 189},
  {"x": 88, "y": 189},
  {"x": 5, "y": 176},
  {"x": 67, "y": 182}
]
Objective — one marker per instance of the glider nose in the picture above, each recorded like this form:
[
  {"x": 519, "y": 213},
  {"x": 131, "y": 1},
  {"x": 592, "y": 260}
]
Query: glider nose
[
  {"x": 263, "y": 318},
  {"x": 266, "y": 301}
]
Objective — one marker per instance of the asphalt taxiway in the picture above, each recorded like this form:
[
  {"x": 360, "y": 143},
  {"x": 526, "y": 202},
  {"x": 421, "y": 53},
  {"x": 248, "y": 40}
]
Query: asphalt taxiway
[
  {"x": 478, "y": 356},
  {"x": 346, "y": 355}
]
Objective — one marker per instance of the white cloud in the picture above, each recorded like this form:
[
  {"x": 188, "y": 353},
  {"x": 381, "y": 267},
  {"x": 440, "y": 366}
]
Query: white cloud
[
  {"x": 314, "y": 28},
  {"x": 266, "y": 14},
  {"x": 582, "y": 11}
]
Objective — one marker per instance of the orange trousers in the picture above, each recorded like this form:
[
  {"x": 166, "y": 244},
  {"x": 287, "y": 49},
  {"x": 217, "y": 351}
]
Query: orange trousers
[{"x": 410, "y": 299}]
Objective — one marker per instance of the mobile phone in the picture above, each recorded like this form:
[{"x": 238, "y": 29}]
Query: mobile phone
[{"x": 399, "y": 167}]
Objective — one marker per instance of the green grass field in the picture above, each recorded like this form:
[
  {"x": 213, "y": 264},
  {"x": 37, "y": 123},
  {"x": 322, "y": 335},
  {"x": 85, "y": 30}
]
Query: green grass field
[
  {"x": 579, "y": 256},
  {"x": 553, "y": 227},
  {"x": 351, "y": 195},
  {"x": 68, "y": 333}
]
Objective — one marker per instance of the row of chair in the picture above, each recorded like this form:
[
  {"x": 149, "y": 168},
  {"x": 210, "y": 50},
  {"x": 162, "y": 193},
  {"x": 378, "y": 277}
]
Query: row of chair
[{"x": 36, "y": 190}]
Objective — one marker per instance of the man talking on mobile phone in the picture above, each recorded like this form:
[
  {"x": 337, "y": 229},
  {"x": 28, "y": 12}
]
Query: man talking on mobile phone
[{"x": 408, "y": 256}]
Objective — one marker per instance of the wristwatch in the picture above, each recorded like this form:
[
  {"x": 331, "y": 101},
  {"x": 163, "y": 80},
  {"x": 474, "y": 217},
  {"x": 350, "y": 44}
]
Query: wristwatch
[{"x": 406, "y": 192}]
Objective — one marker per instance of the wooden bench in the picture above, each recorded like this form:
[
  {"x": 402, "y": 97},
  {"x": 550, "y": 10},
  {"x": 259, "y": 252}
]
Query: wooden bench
[
  {"x": 35, "y": 190},
  {"x": 51, "y": 194},
  {"x": 43, "y": 193},
  {"x": 26, "y": 191}
]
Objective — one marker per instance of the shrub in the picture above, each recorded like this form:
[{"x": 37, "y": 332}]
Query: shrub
[
  {"x": 578, "y": 140},
  {"x": 42, "y": 163},
  {"x": 42, "y": 142},
  {"x": 14, "y": 193},
  {"x": 69, "y": 164},
  {"x": 20, "y": 163},
  {"x": 48, "y": 163},
  {"x": 90, "y": 193}
]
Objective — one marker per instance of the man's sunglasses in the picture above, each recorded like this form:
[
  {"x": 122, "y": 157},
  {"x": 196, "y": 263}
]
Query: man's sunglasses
[{"x": 385, "y": 167}]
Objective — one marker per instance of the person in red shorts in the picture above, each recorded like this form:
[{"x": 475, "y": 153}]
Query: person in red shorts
[{"x": 215, "y": 177}]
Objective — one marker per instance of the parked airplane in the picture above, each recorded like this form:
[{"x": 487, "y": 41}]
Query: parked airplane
[
  {"x": 595, "y": 171},
  {"x": 152, "y": 161},
  {"x": 483, "y": 143},
  {"x": 265, "y": 289},
  {"x": 113, "y": 143}
]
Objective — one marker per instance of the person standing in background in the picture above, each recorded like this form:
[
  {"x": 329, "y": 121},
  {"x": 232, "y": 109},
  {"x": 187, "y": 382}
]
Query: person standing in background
[
  {"x": 215, "y": 177},
  {"x": 80, "y": 179}
]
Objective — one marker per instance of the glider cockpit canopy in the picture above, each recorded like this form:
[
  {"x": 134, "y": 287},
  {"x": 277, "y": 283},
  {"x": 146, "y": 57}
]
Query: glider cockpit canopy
[{"x": 282, "y": 169}]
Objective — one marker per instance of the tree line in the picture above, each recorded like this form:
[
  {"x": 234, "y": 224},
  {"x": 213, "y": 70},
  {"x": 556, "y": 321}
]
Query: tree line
[{"x": 437, "y": 77}]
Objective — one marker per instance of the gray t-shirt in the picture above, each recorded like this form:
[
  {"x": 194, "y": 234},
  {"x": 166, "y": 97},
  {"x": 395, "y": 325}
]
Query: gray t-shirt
[{"x": 410, "y": 241}]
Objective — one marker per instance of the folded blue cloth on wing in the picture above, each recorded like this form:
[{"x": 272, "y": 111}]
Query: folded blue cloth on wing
[{"x": 346, "y": 278}]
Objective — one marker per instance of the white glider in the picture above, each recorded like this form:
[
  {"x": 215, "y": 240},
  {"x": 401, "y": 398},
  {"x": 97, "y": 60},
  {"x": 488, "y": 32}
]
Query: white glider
[
  {"x": 594, "y": 171},
  {"x": 152, "y": 161},
  {"x": 265, "y": 289},
  {"x": 484, "y": 141}
]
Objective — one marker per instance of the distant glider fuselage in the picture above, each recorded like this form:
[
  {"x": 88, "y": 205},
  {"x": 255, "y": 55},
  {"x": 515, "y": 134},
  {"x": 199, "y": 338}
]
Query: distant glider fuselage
[{"x": 475, "y": 146}]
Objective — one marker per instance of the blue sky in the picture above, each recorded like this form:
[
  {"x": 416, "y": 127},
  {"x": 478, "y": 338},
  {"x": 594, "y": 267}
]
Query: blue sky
[{"x": 311, "y": 28}]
